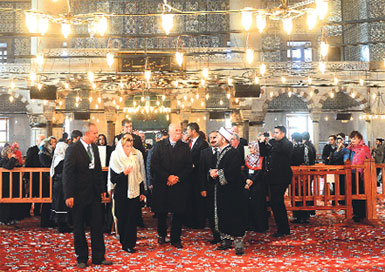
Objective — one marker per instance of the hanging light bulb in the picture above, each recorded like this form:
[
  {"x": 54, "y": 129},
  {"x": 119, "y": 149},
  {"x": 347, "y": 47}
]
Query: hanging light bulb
[
  {"x": 77, "y": 99},
  {"x": 76, "y": 104},
  {"x": 202, "y": 104},
  {"x": 322, "y": 67},
  {"x": 324, "y": 49},
  {"x": 120, "y": 99},
  {"x": 90, "y": 99},
  {"x": 228, "y": 95},
  {"x": 256, "y": 80},
  {"x": 11, "y": 99},
  {"x": 271, "y": 94},
  {"x": 221, "y": 102},
  {"x": 261, "y": 22},
  {"x": 309, "y": 80},
  {"x": 99, "y": 100},
  {"x": 66, "y": 85},
  {"x": 182, "y": 106},
  {"x": 326, "y": 118},
  {"x": 135, "y": 103},
  {"x": 179, "y": 58},
  {"x": 207, "y": 96},
  {"x": 60, "y": 103},
  {"x": 39, "y": 59},
  {"x": 163, "y": 97},
  {"x": 66, "y": 29},
  {"x": 362, "y": 82},
  {"x": 249, "y": 55},
  {"x": 374, "y": 95},
  {"x": 147, "y": 75},
  {"x": 91, "y": 76},
  {"x": 93, "y": 85},
  {"x": 185, "y": 97},
  {"x": 31, "y": 22},
  {"x": 32, "y": 76},
  {"x": 283, "y": 80},
  {"x": 178, "y": 102},
  {"x": 197, "y": 96},
  {"x": 247, "y": 18},
  {"x": 102, "y": 25},
  {"x": 45, "y": 102},
  {"x": 289, "y": 93},
  {"x": 336, "y": 80},
  {"x": 311, "y": 19},
  {"x": 43, "y": 25},
  {"x": 287, "y": 25},
  {"x": 321, "y": 8},
  {"x": 114, "y": 102},
  {"x": 97, "y": 106},
  {"x": 311, "y": 93},
  {"x": 262, "y": 69},
  {"x": 203, "y": 82},
  {"x": 167, "y": 22},
  {"x": 110, "y": 59},
  {"x": 229, "y": 81},
  {"x": 353, "y": 94},
  {"x": 192, "y": 99},
  {"x": 236, "y": 100},
  {"x": 39, "y": 86},
  {"x": 331, "y": 94},
  {"x": 12, "y": 85},
  {"x": 176, "y": 84},
  {"x": 142, "y": 99},
  {"x": 205, "y": 73}
]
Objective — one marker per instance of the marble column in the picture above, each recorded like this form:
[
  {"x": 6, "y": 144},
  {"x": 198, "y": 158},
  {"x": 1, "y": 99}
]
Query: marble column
[
  {"x": 315, "y": 116},
  {"x": 246, "y": 129},
  {"x": 111, "y": 116}
]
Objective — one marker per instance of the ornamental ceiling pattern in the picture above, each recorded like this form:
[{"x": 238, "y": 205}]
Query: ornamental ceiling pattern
[{"x": 140, "y": 26}]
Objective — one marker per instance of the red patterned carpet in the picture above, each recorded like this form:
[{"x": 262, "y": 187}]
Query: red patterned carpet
[{"x": 326, "y": 244}]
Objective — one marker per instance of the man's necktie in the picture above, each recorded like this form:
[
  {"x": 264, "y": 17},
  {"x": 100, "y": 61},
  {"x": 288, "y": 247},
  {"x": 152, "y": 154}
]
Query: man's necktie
[
  {"x": 89, "y": 151},
  {"x": 190, "y": 144}
]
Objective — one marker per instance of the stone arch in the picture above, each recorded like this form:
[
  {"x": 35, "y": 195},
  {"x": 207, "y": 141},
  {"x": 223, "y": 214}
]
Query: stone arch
[
  {"x": 18, "y": 96},
  {"x": 300, "y": 93},
  {"x": 359, "y": 97}
]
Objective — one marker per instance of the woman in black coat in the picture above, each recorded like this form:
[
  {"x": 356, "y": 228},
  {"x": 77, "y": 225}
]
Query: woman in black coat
[
  {"x": 126, "y": 179},
  {"x": 9, "y": 212},
  {"x": 255, "y": 189}
]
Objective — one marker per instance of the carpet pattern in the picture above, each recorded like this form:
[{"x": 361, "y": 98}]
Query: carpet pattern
[{"x": 325, "y": 244}]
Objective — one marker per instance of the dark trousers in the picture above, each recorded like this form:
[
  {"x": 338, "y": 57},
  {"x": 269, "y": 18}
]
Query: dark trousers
[
  {"x": 108, "y": 218},
  {"x": 198, "y": 205},
  {"x": 277, "y": 204},
  {"x": 359, "y": 206},
  {"x": 209, "y": 202},
  {"x": 258, "y": 215},
  {"x": 126, "y": 212},
  {"x": 176, "y": 226},
  {"x": 79, "y": 212}
]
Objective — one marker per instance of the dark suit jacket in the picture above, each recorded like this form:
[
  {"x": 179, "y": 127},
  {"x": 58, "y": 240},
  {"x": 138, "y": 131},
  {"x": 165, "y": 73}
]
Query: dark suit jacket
[
  {"x": 278, "y": 161},
  {"x": 83, "y": 184},
  {"x": 166, "y": 161},
  {"x": 243, "y": 142},
  {"x": 208, "y": 161},
  {"x": 198, "y": 146},
  {"x": 32, "y": 158},
  {"x": 137, "y": 142},
  {"x": 241, "y": 151}
]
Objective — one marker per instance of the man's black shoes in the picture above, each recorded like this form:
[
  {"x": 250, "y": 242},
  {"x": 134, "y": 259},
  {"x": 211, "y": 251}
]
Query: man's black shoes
[
  {"x": 280, "y": 234},
  {"x": 177, "y": 245}
]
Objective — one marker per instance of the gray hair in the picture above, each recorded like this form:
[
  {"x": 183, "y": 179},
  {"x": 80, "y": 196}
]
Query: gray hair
[
  {"x": 236, "y": 136},
  {"x": 86, "y": 127}
]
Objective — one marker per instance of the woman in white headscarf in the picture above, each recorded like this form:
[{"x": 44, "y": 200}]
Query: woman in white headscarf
[
  {"x": 59, "y": 208},
  {"x": 126, "y": 178}
]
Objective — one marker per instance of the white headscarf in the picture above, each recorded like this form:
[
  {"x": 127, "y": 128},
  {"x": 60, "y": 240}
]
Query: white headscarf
[
  {"x": 58, "y": 156},
  {"x": 119, "y": 160}
]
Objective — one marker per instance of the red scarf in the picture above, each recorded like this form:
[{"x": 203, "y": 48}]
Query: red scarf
[{"x": 361, "y": 152}]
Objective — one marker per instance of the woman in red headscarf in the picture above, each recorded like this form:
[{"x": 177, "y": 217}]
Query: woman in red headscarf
[
  {"x": 255, "y": 189},
  {"x": 17, "y": 152}
]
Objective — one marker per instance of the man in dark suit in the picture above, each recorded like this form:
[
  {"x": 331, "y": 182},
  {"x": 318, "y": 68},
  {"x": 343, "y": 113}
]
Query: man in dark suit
[
  {"x": 196, "y": 217},
  {"x": 127, "y": 128},
  {"x": 243, "y": 141},
  {"x": 208, "y": 160},
  {"x": 83, "y": 189},
  {"x": 236, "y": 143},
  {"x": 171, "y": 167},
  {"x": 279, "y": 175}
]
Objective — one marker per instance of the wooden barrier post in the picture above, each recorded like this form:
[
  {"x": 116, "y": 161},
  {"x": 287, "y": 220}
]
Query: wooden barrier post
[
  {"x": 348, "y": 191},
  {"x": 370, "y": 180}
]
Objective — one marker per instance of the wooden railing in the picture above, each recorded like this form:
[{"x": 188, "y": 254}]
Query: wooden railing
[{"x": 309, "y": 190}]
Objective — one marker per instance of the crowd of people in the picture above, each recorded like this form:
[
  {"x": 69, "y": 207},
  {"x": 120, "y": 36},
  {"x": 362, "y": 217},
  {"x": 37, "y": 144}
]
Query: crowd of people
[{"x": 220, "y": 179}]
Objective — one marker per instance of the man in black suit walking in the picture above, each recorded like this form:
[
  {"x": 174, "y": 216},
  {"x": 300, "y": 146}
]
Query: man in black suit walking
[
  {"x": 83, "y": 189},
  {"x": 208, "y": 161},
  {"x": 171, "y": 167},
  {"x": 279, "y": 175},
  {"x": 197, "y": 144}
]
